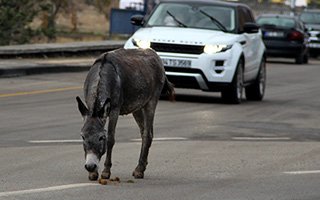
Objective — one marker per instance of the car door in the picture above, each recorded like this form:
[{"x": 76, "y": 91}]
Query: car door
[{"x": 251, "y": 46}]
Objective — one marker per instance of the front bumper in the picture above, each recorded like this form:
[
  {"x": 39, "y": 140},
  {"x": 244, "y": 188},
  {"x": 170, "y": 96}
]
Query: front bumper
[
  {"x": 193, "y": 80},
  {"x": 206, "y": 72},
  {"x": 314, "y": 44},
  {"x": 314, "y": 40}
]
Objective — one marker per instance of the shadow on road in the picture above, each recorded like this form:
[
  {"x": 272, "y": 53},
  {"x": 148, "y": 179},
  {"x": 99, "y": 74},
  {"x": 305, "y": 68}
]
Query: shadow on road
[
  {"x": 196, "y": 98},
  {"x": 287, "y": 62},
  {"x": 199, "y": 98}
]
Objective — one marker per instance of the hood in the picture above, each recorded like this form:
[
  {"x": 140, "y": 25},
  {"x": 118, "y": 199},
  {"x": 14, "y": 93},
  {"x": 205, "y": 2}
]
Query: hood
[{"x": 188, "y": 36}]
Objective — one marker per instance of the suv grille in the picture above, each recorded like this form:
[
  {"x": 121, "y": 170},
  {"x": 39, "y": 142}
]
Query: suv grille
[{"x": 177, "y": 48}]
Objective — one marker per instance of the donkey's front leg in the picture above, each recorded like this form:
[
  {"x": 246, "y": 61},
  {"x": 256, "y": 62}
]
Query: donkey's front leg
[{"x": 113, "y": 118}]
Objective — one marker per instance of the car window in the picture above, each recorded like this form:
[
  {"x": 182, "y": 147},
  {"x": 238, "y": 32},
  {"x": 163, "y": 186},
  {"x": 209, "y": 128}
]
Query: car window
[
  {"x": 277, "y": 21},
  {"x": 193, "y": 16},
  {"x": 310, "y": 18},
  {"x": 247, "y": 15}
]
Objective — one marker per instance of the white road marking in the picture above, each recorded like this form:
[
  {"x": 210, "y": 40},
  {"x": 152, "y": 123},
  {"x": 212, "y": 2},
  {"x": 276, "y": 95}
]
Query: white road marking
[
  {"x": 162, "y": 139},
  {"x": 80, "y": 141},
  {"x": 54, "y": 141},
  {"x": 303, "y": 172},
  {"x": 47, "y": 189},
  {"x": 261, "y": 138}
]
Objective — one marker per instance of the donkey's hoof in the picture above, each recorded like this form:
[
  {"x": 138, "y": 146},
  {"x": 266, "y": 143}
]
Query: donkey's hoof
[
  {"x": 137, "y": 174},
  {"x": 105, "y": 175},
  {"x": 93, "y": 176}
]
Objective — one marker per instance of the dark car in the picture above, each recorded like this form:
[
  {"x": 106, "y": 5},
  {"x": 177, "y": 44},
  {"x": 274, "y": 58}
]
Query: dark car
[
  {"x": 284, "y": 36},
  {"x": 311, "y": 18}
]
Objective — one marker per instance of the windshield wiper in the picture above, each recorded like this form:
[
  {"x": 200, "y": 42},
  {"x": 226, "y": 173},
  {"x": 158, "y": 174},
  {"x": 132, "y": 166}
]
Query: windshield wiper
[
  {"x": 215, "y": 21},
  {"x": 176, "y": 20}
]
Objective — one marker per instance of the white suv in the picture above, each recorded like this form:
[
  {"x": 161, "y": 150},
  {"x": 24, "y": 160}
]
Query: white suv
[{"x": 207, "y": 45}]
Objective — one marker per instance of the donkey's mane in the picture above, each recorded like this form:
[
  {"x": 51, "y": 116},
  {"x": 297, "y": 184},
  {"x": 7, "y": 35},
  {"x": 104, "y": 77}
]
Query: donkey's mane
[{"x": 102, "y": 90}]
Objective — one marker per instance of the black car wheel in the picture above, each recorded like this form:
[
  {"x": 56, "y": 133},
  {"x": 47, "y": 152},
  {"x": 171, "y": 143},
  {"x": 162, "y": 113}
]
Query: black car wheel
[
  {"x": 233, "y": 94},
  {"x": 313, "y": 54},
  {"x": 299, "y": 59},
  {"x": 255, "y": 91},
  {"x": 306, "y": 58}
]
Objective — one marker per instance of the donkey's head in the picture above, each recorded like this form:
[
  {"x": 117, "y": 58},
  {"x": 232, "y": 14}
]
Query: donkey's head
[{"x": 93, "y": 134}]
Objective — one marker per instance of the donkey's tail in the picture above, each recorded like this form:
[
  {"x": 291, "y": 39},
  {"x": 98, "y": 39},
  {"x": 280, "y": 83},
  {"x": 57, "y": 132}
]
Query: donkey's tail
[{"x": 168, "y": 90}]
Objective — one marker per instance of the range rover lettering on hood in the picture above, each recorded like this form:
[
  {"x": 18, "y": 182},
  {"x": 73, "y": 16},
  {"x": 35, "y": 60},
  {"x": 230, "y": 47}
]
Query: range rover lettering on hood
[{"x": 177, "y": 41}]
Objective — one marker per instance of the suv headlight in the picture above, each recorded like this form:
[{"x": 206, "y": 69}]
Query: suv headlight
[
  {"x": 144, "y": 44},
  {"x": 216, "y": 48}
]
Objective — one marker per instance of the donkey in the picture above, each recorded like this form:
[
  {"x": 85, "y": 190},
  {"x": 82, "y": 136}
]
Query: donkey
[{"x": 120, "y": 82}]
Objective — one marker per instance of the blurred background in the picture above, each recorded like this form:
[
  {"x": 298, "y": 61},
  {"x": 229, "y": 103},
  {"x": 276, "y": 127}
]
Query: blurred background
[{"x": 60, "y": 21}]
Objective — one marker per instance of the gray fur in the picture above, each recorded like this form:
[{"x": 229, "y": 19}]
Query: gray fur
[{"x": 121, "y": 82}]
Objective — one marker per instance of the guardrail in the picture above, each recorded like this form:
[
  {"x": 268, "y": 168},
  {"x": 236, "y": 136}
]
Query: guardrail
[{"x": 59, "y": 50}]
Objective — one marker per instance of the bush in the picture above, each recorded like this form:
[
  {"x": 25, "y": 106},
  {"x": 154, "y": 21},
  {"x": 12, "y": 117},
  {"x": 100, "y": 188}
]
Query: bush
[{"x": 15, "y": 17}]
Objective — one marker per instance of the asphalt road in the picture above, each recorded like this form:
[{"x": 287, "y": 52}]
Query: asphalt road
[{"x": 203, "y": 149}]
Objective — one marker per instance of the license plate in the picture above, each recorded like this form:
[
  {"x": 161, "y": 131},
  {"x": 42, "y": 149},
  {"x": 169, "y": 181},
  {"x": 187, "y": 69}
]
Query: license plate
[
  {"x": 176, "y": 62},
  {"x": 273, "y": 34}
]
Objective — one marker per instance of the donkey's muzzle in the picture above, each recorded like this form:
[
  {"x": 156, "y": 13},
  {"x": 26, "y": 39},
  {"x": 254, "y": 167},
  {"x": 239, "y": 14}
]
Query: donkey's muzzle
[{"x": 90, "y": 167}]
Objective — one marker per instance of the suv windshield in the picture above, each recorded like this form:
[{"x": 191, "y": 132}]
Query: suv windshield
[
  {"x": 193, "y": 16},
  {"x": 310, "y": 17},
  {"x": 276, "y": 21}
]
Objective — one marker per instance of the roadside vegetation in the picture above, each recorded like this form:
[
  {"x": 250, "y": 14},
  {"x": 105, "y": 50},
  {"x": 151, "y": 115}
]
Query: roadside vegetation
[{"x": 42, "y": 21}]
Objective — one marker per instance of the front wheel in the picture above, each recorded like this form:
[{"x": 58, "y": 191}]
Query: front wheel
[
  {"x": 255, "y": 91},
  {"x": 233, "y": 94}
]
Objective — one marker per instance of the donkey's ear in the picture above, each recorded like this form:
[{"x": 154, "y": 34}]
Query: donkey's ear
[
  {"x": 105, "y": 110},
  {"x": 82, "y": 108}
]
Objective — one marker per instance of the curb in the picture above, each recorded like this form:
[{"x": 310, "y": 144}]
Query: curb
[
  {"x": 42, "y": 69},
  {"x": 13, "y": 63}
]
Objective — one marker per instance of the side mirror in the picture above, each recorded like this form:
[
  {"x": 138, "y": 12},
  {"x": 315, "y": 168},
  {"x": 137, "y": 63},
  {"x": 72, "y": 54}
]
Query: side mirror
[
  {"x": 137, "y": 20},
  {"x": 250, "y": 27}
]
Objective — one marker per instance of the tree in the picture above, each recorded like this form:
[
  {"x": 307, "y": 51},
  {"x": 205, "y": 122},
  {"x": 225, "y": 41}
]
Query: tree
[
  {"x": 15, "y": 17},
  {"x": 50, "y": 10},
  {"x": 104, "y": 6}
]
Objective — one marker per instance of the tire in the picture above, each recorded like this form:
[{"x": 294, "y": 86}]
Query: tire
[
  {"x": 300, "y": 59},
  {"x": 313, "y": 55},
  {"x": 306, "y": 58},
  {"x": 256, "y": 91},
  {"x": 233, "y": 93}
]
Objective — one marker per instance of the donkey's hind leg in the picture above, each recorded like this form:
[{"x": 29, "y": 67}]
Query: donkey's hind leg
[{"x": 144, "y": 119}]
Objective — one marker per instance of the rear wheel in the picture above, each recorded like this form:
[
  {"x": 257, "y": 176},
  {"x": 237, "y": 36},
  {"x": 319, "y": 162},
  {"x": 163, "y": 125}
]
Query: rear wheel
[
  {"x": 255, "y": 91},
  {"x": 233, "y": 94},
  {"x": 300, "y": 59},
  {"x": 303, "y": 58},
  {"x": 306, "y": 58},
  {"x": 313, "y": 54}
]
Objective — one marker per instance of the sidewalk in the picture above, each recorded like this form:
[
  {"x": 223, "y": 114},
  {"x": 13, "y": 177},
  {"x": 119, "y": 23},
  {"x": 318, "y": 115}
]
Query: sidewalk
[
  {"x": 21, "y": 67},
  {"x": 19, "y": 60}
]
